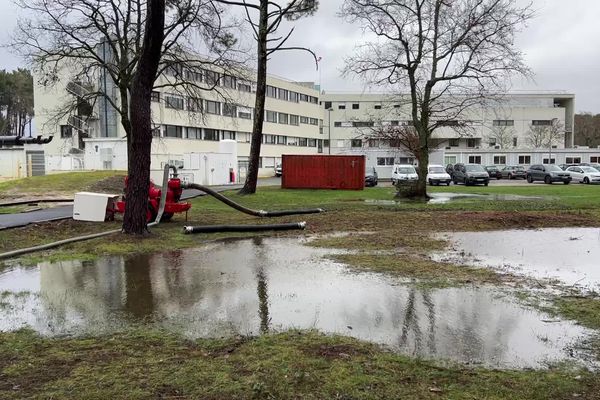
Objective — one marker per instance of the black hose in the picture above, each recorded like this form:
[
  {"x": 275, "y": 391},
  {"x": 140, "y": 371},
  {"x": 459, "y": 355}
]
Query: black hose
[
  {"x": 243, "y": 228},
  {"x": 25, "y": 202},
  {"x": 256, "y": 213}
]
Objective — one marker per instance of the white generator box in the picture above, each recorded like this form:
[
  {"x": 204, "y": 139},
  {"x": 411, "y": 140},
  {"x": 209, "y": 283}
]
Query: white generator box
[{"x": 90, "y": 206}]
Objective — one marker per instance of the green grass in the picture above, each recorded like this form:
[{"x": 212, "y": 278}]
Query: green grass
[
  {"x": 69, "y": 182},
  {"x": 585, "y": 310},
  {"x": 144, "y": 364}
]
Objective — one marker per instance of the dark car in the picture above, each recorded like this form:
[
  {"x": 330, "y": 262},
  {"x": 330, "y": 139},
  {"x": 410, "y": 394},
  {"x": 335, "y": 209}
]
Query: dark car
[
  {"x": 470, "y": 174},
  {"x": 278, "y": 170},
  {"x": 548, "y": 173},
  {"x": 514, "y": 172},
  {"x": 371, "y": 178},
  {"x": 493, "y": 172}
]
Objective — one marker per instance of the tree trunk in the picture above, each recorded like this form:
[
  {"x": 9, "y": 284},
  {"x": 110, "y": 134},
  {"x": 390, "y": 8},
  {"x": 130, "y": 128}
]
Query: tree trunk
[
  {"x": 140, "y": 141},
  {"x": 259, "y": 104}
]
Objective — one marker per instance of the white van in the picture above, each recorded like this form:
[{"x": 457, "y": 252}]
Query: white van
[
  {"x": 437, "y": 174},
  {"x": 403, "y": 172}
]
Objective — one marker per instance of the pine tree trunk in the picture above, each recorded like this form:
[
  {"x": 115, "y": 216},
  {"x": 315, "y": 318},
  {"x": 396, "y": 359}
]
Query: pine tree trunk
[
  {"x": 259, "y": 105},
  {"x": 139, "y": 141}
]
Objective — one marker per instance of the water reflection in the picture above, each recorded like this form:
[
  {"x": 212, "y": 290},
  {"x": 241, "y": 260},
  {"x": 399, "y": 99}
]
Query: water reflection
[{"x": 260, "y": 285}]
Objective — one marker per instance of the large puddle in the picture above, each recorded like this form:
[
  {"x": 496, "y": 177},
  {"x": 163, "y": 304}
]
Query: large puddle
[
  {"x": 258, "y": 285},
  {"x": 570, "y": 255},
  {"x": 444, "y": 198}
]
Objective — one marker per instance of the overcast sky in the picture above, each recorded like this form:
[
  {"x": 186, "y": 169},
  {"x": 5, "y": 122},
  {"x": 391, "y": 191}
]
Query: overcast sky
[{"x": 561, "y": 45}]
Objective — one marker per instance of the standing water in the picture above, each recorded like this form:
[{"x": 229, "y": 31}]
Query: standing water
[{"x": 259, "y": 285}]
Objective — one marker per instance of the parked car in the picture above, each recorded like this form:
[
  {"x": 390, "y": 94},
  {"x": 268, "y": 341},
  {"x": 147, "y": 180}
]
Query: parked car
[
  {"x": 493, "y": 171},
  {"x": 278, "y": 170},
  {"x": 371, "y": 178},
  {"x": 565, "y": 166},
  {"x": 548, "y": 173},
  {"x": 437, "y": 174},
  {"x": 584, "y": 174},
  {"x": 404, "y": 173},
  {"x": 595, "y": 165},
  {"x": 514, "y": 172},
  {"x": 470, "y": 174}
]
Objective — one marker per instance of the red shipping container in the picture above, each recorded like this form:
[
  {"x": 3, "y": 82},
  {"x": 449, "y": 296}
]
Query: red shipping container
[{"x": 323, "y": 172}]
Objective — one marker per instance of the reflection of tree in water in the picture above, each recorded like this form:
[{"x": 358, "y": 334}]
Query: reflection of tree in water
[
  {"x": 139, "y": 300},
  {"x": 261, "y": 285},
  {"x": 411, "y": 320},
  {"x": 431, "y": 344}
]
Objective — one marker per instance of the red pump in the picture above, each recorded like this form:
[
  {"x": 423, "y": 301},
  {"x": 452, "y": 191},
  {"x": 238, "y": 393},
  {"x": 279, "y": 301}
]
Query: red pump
[{"x": 172, "y": 203}]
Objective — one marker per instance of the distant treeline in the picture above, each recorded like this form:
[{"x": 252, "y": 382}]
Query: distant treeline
[
  {"x": 587, "y": 129},
  {"x": 16, "y": 101}
]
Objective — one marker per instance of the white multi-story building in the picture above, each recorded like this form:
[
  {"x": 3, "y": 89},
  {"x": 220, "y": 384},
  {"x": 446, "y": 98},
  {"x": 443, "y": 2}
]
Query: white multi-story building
[
  {"x": 95, "y": 138},
  {"x": 496, "y": 134}
]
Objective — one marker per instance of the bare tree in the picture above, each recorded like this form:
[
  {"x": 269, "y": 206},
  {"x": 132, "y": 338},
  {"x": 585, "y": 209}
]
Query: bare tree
[
  {"x": 500, "y": 135},
  {"x": 270, "y": 17},
  {"x": 447, "y": 56},
  {"x": 547, "y": 135},
  {"x": 100, "y": 45}
]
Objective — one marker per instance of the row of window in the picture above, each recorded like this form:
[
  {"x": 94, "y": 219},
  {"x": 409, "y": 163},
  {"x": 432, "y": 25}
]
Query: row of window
[
  {"x": 213, "y": 78},
  {"x": 328, "y": 105},
  {"x": 181, "y": 132},
  {"x": 523, "y": 160},
  {"x": 385, "y": 161},
  {"x": 229, "y": 110},
  {"x": 496, "y": 122}
]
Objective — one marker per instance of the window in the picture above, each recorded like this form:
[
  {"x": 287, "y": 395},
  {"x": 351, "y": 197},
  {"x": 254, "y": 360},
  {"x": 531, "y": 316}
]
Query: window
[
  {"x": 173, "y": 131},
  {"x": 326, "y": 143},
  {"x": 303, "y": 120},
  {"x": 173, "y": 70},
  {"x": 474, "y": 159},
  {"x": 155, "y": 96},
  {"x": 174, "y": 102},
  {"x": 396, "y": 105},
  {"x": 271, "y": 116},
  {"x": 503, "y": 122},
  {"x": 244, "y": 87},
  {"x": 363, "y": 124},
  {"x": 449, "y": 160},
  {"x": 303, "y": 97},
  {"x": 382, "y": 161},
  {"x": 281, "y": 139},
  {"x": 500, "y": 160},
  {"x": 282, "y": 94},
  {"x": 302, "y": 142},
  {"x": 471, "y": 142},
  {"x": 229, "y": 110},
  {"x": 213, "y": 107},
  {"x": 355, "y": 106},
  {"x": 492, "y": 141},
  {"x": 337, "y": 124},
  {"x": 245, "y": 112},
  {"x": 549, "y": 161},
  {"x": 292, "y": 141},
  {"x": 269, "y": 139},
  {"x": 342, "y": 106},
  {"x": 451, "y": 122},
  {"x": 374, "y": 143},
  {"x": 314, "y": 121},
  {"x": 271, "y": 91},
  {"x": 66, "y": 131},
  {"x": 515, "y": 141},
  {"x": 406, "y": 160},
  {"x": 283, "y": 118},
  {"x": 541, "y": 122},
  {"x": 193, "y": 76},
  {"x": 294, "y": 97},
  {"x": 194, "y": 133},
  {"x": 229, "y": 81},
  {"x": 312, "y": 142},
  {"x": 194, "y": 104},
  {"x": 453, "y": 142},
  {"x": 356, "y": 143},
  {"x": 525, "y": 160},
  {"x": 313, "y": 100},
  {"x": 211, "y": 134},
  {"x": 294, "y": 120},
  {"x": 573, "y": 160},
  {"x": 595, "y": 159},
  {"x": 394, "y": 123},
  {"x": 211, "y": 78},
  {"x": 243, "y": 137},
  {"x": 378, "y": 106},
  {"x": 268, "y": 162},
  {"x": 228, "y": 135},
  {"x": 327, "y": 105}
]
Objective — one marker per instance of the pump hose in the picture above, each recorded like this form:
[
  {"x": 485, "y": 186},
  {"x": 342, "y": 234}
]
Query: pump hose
[
  {"x": 256, "y": 213},
  {"x": 243, "y": 228}
]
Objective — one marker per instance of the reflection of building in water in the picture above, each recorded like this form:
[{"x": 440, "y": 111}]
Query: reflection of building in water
[{"x": 250, "y": 287}]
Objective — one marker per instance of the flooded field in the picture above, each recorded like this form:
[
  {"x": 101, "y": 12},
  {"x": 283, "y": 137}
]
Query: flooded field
[
  {"x": 443, "y": 198},
  {"x": 571, "y": 255},
  {"x": 253, "y": 286}
]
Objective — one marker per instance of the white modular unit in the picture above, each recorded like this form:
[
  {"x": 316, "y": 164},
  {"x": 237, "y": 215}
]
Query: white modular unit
[{"x": 90, "y": 206}]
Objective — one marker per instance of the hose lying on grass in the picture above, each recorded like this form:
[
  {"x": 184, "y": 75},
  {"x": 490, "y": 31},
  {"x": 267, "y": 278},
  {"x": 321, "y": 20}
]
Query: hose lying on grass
[
  {"x": 243, "y": 228},
  {"x": 256, "y": 213}
]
